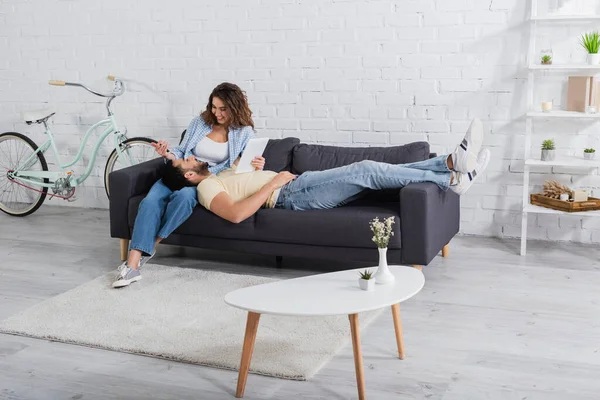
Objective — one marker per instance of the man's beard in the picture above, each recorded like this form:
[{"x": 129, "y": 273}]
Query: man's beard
[{"x": 201, "y": 168}]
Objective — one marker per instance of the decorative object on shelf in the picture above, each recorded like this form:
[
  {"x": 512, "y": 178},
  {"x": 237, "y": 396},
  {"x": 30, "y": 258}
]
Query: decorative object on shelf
[
  {"x": 589, "y": 153},
  {"x": 590, "y": 109},
  {"x": 580, "y": 195},
  {"x": 583, "y": 91},
  {"x": 591, "y": 204},
  {"x": 570, "y": 7},
  {"x": 554, "y": 190},
  {"x": 382, "y": 231},
  {"x": 564, "y": 197},
  {"x": 366, "y": 280},
  {"x": 546, "y": 106},
  {"x": 546, "y": 57},
  {"x": 548, "y": 150},
  {"x": 590, "y": 41}
]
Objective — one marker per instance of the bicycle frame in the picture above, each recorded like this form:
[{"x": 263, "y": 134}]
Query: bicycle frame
[{"x": 37, "y": 177}]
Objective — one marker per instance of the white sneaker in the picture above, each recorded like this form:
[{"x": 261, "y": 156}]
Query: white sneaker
[
  {"x": 464, "y": 157},
  {"x": 143, "y": 260},
  {"x": 126, "y": 277},
  {"x": 462, "y": 182}
]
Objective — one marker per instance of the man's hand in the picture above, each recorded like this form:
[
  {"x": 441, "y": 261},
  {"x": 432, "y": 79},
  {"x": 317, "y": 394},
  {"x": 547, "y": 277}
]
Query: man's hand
[
  {"x": 282, "y": 179},
  {"x": 258, "y": 163},
  {"x": 161, "y": 147}
]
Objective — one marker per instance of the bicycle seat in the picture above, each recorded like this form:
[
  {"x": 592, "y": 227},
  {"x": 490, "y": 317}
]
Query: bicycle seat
[{"x": 38, "y": 116}]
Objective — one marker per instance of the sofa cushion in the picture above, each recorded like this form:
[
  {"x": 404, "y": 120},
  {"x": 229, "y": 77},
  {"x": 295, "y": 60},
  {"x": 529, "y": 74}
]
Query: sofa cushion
[
  {"x": 346, "y": 226},
  {"x": 204, "y": 223},
  {"x": 278, "y": 154},
  {"x": 310, "y": 157}
]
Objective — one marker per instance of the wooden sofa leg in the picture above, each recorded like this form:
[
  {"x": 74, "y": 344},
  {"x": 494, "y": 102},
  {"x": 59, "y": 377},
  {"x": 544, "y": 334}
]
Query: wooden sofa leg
[
  {"x": 124, "y": 249},
  {"x": 419, "y": 267},
  {"x": 446, "y": 250},
  {"x": 278, "y": 261}
]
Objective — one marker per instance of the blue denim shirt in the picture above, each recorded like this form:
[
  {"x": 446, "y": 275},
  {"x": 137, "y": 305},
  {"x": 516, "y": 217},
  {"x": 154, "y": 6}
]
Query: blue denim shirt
[{"x": 198, "y": 129}]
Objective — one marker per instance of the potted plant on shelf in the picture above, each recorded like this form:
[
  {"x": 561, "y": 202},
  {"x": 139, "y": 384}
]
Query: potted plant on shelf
[
  {"x": 546, "y": 59},
  {"x": 589, "y": 153},
  {"x": 548, "y": 150},
  {"x": 366, "y": 281},
  {"x": 591, "y": 43}
]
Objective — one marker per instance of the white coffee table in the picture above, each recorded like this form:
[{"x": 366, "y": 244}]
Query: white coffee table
[{"x": 333, "y": 293}]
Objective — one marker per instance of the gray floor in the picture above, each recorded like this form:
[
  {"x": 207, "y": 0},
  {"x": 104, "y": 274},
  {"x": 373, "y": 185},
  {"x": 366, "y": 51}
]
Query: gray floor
[{"x": 488, "y": 324}]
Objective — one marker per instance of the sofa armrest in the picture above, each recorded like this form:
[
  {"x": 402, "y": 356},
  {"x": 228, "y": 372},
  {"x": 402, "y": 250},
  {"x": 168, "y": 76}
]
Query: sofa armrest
[
  {"x": 429, "y": 218},
  {"x": 125, "y": 184}
]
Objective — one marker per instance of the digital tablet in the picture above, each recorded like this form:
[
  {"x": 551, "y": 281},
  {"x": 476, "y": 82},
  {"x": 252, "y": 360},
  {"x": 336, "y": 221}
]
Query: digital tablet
[{"x": 255, "y": 147}]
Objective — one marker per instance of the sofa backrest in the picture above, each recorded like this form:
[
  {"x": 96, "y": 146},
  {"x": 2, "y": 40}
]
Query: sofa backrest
[
  {"x": 311, "y": 157},
  {"x": 278, "y": 154}
]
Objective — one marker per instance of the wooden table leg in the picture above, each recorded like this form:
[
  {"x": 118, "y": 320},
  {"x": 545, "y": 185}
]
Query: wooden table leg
[
  {"x": 251, "y": 329},
  {"x": 398, "y": 329},
  {"x": 358, "y": 364}
]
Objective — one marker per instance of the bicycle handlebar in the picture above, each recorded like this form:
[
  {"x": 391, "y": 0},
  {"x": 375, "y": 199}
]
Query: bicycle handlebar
[{"x": 119, "y": 90}]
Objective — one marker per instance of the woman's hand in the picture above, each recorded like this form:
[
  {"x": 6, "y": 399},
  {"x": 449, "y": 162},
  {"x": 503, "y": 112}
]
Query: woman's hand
[
  {"x": 258, "y": 163},
  {"x": 161, "y": 148}
]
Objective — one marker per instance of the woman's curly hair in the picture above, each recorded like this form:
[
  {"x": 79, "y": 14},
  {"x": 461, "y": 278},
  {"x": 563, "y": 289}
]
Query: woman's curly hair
[{"x": 236, "y": 102}]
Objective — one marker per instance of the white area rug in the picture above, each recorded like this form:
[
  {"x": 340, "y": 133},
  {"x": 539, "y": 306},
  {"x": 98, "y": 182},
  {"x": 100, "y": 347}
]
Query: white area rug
[{"x": 179, "y": 314}]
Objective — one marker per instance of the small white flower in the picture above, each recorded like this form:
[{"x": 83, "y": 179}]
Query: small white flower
[{"x": 382, "y": 231}]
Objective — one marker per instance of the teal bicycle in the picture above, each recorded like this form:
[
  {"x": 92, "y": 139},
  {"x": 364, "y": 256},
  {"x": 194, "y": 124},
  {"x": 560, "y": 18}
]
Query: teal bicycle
[{"x": 24, "y": 175}]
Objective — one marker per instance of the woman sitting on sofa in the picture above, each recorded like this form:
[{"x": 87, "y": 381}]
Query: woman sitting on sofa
[{"x": 217, "y": 137}]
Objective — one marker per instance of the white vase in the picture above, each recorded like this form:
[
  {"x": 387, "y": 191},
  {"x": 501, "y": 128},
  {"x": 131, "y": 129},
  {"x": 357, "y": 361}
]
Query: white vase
[
  {"x": 383, "y": 276},
  {"x": 366, "y": 284},
  {"x": 593, "y": 59}
]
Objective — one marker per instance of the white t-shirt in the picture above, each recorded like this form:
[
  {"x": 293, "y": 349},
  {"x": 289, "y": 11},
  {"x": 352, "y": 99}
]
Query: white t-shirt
[{"x": 211, "y": 152}]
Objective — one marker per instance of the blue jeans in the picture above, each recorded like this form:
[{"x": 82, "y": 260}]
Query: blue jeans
[
  {"x": 160, "y": 213},
  {"x": 315, "y": 190}
]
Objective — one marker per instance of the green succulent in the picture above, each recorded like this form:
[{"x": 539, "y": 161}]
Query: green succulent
[
  {"x": 589, "y": 150},
  {"x": 546, "y": 59},
  {"x": 366, "y": 274},
  {"x": 548, "y": 145}
]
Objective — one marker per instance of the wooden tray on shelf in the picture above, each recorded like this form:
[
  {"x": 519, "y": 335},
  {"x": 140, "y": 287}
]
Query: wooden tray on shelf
[{"x": 591, "y": 204}]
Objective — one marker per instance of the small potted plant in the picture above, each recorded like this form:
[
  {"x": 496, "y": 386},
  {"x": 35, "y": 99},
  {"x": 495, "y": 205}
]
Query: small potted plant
[
  {"x": 589, "y": 153},
  {"x": 548, "y": 150},
  {"x": 591, "y": 43},
  {"x": 546, "y": 57},
  {"x": 366, "y": 281}
]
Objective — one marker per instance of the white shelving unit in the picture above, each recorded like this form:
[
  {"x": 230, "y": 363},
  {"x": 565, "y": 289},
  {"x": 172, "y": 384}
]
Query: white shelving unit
[
  {"x": 535, "y": 66},
  {"x": 562, "y": 114},
  {"x": 563, "y": 18}
]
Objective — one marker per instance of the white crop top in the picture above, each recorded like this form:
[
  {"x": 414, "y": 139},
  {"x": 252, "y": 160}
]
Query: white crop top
[{"x": 212, "y": 152}]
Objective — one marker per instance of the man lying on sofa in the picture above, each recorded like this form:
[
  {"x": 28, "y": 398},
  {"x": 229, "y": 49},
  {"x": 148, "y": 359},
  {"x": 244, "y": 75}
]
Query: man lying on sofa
[{"x": 235, "y": 197}]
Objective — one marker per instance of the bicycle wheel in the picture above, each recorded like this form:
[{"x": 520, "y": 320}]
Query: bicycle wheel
[
  {"x": 134, "y": 151},
  {"x": 20, "y": 198}
]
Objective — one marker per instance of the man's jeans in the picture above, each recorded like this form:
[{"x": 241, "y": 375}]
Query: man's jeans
[
  {"x": 316, "y": 190},
  {"x": 160, "y": 213}
]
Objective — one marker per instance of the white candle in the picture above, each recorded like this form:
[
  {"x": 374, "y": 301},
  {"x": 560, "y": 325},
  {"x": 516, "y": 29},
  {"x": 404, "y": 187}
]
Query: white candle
[{"x": 546, "y": 106}]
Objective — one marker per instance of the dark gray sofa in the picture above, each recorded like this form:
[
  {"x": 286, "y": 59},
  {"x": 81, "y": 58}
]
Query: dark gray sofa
[{"x": 426, "y": 217}]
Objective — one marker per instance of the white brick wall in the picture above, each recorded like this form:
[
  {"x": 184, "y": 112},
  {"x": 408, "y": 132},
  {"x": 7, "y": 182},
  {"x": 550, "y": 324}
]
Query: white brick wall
[{"x": 354, "y": 72}]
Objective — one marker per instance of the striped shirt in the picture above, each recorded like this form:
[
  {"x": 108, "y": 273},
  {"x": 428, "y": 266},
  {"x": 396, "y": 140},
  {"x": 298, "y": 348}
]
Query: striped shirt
[{"x": 198, "y": 130}]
